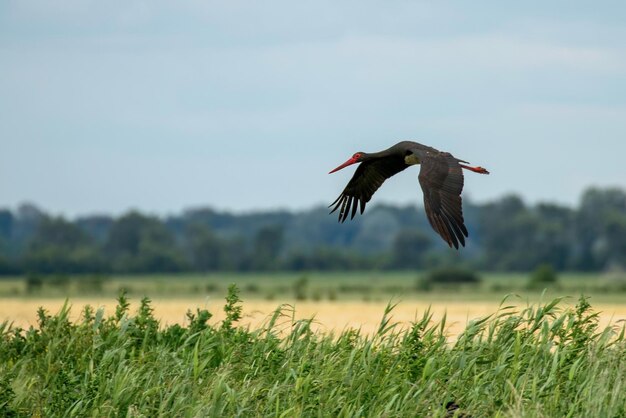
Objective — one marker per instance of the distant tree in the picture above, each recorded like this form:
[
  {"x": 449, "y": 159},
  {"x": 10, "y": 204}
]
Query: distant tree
[
  {"x": 58, "y": 232},
  {"x": 314, "y": 228},
  {"x": 505, "y": 234},
  {"x": 377, "y": 231},
  {"x": 139, "y": 243},
  {"x": 208, "y": 252},
  {"x": 7, "y": 267},
  {"x": 597, "y": 227},
  {"x": 244, "y": 225},
  {"x": 203, "y": 247},
  {"x": 24, "y": 226},
  {"x": 554, "y": 236},
  {"x": 95, "y": 227},
  {"x": 268, "y": 243},
  {"x": 6, "y": 224},
  {"x": 59, "y": 246},
  {"x": 615, "y": 233},
  {"x": 505, "y": 226},
  {"x": 516, "y": 237},
  {"x": 410, "y": 248}
]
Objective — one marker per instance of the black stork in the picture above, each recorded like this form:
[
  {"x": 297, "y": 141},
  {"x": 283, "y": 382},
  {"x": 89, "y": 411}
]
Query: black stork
[{"x": 440, "y": 176}]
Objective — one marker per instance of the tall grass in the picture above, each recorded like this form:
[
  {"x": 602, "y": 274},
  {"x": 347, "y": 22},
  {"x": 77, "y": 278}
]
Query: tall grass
[{"x": 540, "y": 361}]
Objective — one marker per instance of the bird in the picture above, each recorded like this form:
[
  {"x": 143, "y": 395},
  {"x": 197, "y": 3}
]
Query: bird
[
  {"x": 440, "y": 176},
  {"x": 453, "y": 411}
]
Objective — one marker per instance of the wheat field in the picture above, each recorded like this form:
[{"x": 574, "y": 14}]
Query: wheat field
[{"x": 328, "y": 315}]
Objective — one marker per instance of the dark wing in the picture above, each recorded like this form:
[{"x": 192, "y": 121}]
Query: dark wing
[
  {"x": 368, "y": 177},
  {"x": 441, "y": 179}
]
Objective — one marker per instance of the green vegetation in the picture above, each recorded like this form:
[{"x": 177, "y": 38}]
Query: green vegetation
[
  {"x": 544, "y": 275},
  {"x": 452, "y": 275},
  {"x": 541, "y": 361},
  {"x": 505, "y": 235},
  {"x": 362, "y": 285}
]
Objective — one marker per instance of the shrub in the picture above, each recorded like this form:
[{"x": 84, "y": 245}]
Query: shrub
[
  {"x": 33, "y": 283},
  {"x": 543, "y": 275},
  {"x": 452, "y": 275}
]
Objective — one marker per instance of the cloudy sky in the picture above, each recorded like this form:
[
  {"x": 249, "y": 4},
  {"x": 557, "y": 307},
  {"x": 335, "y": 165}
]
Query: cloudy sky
[{"x": 155, "y": 105}]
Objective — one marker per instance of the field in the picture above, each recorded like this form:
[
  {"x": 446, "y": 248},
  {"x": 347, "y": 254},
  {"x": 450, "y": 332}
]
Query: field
[
  {"x": 359, "y": 344},
  {"x": 365, "y": 286},
  {"x": 335, "y": 300}
]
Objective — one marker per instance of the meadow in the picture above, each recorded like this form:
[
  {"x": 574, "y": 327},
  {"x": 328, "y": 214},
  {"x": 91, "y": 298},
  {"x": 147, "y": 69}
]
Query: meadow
[
  {"x": 316, "y": 286},
  {"x": 356, "y": 344}
]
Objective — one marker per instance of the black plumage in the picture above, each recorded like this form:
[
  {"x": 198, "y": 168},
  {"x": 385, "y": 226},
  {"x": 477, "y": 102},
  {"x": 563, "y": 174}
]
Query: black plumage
[{"x": 441, "y": 179}]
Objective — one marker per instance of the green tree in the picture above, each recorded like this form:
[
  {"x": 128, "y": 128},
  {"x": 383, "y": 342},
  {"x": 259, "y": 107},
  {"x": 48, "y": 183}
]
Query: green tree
[
  {"x": 6, "y": 223},
  {"x": 268, "y": 243},
  {"x": 615, "y": 234},
  {"x": 139, "y": 243},
  {"x": 96, "y": 227},
  {"x": 59, "y": 246},
  {"x": 208, "y": 252},
  {"x": 23, "y": 228},
  {"x": 6, "y": 226},
  {"x": 505, "y": 226},
  {"x": 599, "y": 228},
  {"x": 410, "y": 248}
]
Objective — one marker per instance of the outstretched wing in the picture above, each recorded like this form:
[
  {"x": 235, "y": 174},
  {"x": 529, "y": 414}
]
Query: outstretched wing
[
  {"x": 368, "y": 177},
  {"x": 441, "y": 179}
]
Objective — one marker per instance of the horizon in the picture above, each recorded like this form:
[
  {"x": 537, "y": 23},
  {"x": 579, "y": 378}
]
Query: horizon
[{"x": 243, "y": 212}]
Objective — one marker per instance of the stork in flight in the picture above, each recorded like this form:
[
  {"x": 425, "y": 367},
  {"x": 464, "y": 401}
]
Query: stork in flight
[{"x": 441, "y": 178}]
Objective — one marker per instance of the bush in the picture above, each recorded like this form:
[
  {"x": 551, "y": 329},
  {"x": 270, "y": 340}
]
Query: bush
[
  {"x": 33, "y": 283},
  {"x": 543, "y": 275},
  {"x": 452, "y": 275}
]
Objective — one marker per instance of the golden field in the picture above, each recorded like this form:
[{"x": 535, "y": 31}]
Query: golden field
[{"x": 329, "y": 315}]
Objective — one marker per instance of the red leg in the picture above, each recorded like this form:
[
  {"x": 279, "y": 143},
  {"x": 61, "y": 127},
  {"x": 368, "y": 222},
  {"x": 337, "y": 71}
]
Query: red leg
[{"x": 475, "y": 169}]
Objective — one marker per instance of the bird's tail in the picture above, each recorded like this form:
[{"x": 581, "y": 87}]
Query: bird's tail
[{"x": 479, "y": 170}]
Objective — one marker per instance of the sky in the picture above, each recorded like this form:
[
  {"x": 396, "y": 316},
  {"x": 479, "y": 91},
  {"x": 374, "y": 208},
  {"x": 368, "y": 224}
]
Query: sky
[{"x": 246, "y": 105}]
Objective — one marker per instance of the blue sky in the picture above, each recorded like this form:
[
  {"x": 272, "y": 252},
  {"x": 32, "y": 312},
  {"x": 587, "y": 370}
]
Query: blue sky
[{"x": 160, "y": 106}]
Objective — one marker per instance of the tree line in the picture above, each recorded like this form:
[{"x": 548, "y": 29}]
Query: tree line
[{"x": 505, "y": 235}]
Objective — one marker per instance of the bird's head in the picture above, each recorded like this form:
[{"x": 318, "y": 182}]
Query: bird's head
[{"x": 356, "y": 158}]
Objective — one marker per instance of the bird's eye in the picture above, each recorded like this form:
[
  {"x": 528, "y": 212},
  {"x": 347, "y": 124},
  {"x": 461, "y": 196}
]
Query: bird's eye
[{"x": 357, "y": 155}]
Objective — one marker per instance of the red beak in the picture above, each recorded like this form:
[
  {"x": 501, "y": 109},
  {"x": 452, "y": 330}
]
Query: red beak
[{"x": 347, "y": 163}]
